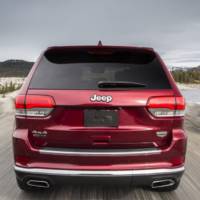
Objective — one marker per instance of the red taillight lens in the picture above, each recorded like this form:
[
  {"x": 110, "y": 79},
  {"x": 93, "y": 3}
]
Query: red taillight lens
[
  {"x": 166, "y": 106},
  {"x": 180, "y": 103},
  {"x": 34, "y": 101},
  {"x": 34, "y": 105},
  {"x": 20, "y": 102}
]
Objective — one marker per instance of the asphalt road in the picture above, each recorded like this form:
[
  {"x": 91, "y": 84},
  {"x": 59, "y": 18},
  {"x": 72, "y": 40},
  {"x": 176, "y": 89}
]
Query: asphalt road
[{"x": 188, "y": 189}]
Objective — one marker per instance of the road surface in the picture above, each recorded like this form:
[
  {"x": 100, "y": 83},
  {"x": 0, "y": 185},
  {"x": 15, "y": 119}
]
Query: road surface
[{"x": 188, "y": 189}]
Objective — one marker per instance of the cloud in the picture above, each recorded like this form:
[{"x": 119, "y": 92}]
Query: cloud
[{"x": 171, "y": 27}]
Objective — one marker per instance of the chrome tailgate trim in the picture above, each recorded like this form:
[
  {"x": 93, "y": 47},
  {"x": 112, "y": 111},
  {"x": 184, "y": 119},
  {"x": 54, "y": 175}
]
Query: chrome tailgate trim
[{"x": 99, "y": 152}]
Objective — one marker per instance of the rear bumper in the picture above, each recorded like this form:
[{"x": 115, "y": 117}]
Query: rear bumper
[
  {"x": 28, "y": 157},
  {"x": 135, "y": 177},
  {"x": 57, "y": 172}
]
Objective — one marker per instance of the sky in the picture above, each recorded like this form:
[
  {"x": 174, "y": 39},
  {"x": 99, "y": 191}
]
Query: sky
[{"x": 171, "y": 27}]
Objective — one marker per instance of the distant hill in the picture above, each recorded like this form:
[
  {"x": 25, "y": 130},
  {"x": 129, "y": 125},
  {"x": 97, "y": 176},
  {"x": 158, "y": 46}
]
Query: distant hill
[
  {"x": 15, "y": 68},
  {"x": 173, "y": 68},
  {"x": 196, "y": 68},
  {"x": 186, "y": 75},
  {"x": 21, "y": 68}
]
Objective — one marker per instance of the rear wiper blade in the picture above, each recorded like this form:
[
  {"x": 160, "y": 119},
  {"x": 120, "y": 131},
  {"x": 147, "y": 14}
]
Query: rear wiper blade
[{"x": 119, "y": 84}]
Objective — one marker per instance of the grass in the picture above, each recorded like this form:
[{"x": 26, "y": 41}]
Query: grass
[{"x": 9, "y": 87}]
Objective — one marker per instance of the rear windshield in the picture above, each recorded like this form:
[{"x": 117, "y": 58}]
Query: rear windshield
[{"x": 83, "y": 71}]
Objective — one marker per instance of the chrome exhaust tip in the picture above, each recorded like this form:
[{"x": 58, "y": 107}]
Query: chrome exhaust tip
[
  {"x": 38, "y": 183},
  {"x": 163, "y": 183}
]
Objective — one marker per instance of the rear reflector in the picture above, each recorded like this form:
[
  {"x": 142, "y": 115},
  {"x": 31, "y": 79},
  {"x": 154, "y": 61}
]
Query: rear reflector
[
  {"x": 34, "y": 105},
  {"x": 166, "y": 106}
]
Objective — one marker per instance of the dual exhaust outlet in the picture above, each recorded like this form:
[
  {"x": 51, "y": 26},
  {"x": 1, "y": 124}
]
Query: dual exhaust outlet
[
  {"x": 162, "y": 183},
  {"x": 155, "y": 184},
  {"x": 38, "y": 183}
]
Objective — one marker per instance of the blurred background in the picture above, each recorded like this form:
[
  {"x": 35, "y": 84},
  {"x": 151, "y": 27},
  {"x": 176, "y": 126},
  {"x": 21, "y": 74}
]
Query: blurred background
[{"x": 170, "y": 27}]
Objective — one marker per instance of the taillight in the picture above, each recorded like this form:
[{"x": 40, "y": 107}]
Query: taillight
[
  {"x": 34, "y": 105},
  {"x": 166, "y": 106}
]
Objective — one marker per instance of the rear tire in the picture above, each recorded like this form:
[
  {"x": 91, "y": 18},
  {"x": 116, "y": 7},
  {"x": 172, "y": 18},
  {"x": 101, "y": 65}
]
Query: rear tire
[{"x": 168, "y": 188}]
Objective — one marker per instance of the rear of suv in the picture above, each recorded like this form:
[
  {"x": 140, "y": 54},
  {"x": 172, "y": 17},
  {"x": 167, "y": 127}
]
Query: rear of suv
[{"x": 102, "y": 112}]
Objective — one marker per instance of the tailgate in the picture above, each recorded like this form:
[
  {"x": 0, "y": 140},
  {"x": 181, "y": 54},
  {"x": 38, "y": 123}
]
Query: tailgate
[{"x": 123, "y": 122}]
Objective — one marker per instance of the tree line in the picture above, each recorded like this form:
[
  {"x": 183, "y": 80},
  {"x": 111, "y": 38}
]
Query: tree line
[{"x": 186, "y": 76}]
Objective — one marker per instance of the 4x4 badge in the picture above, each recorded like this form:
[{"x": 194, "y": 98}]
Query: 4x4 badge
[{"x": 99, "y": 98}]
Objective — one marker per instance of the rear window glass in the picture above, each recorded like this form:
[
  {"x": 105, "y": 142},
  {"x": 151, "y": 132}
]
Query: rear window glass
[{"x": 83, "y": 71}]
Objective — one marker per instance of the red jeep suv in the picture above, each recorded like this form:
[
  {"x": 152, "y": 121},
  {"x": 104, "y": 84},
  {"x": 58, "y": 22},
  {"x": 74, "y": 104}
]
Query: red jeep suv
[{"x": 103, "y": 112}]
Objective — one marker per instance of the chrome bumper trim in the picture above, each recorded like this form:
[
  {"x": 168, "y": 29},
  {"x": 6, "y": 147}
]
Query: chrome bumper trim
[
  {"x": 58, "y": 172},
  {"x": 99, "y": 152}
]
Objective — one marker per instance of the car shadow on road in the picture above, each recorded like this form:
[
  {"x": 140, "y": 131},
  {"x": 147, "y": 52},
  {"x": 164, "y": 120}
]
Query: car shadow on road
[{"x": 85, "y": 191}]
